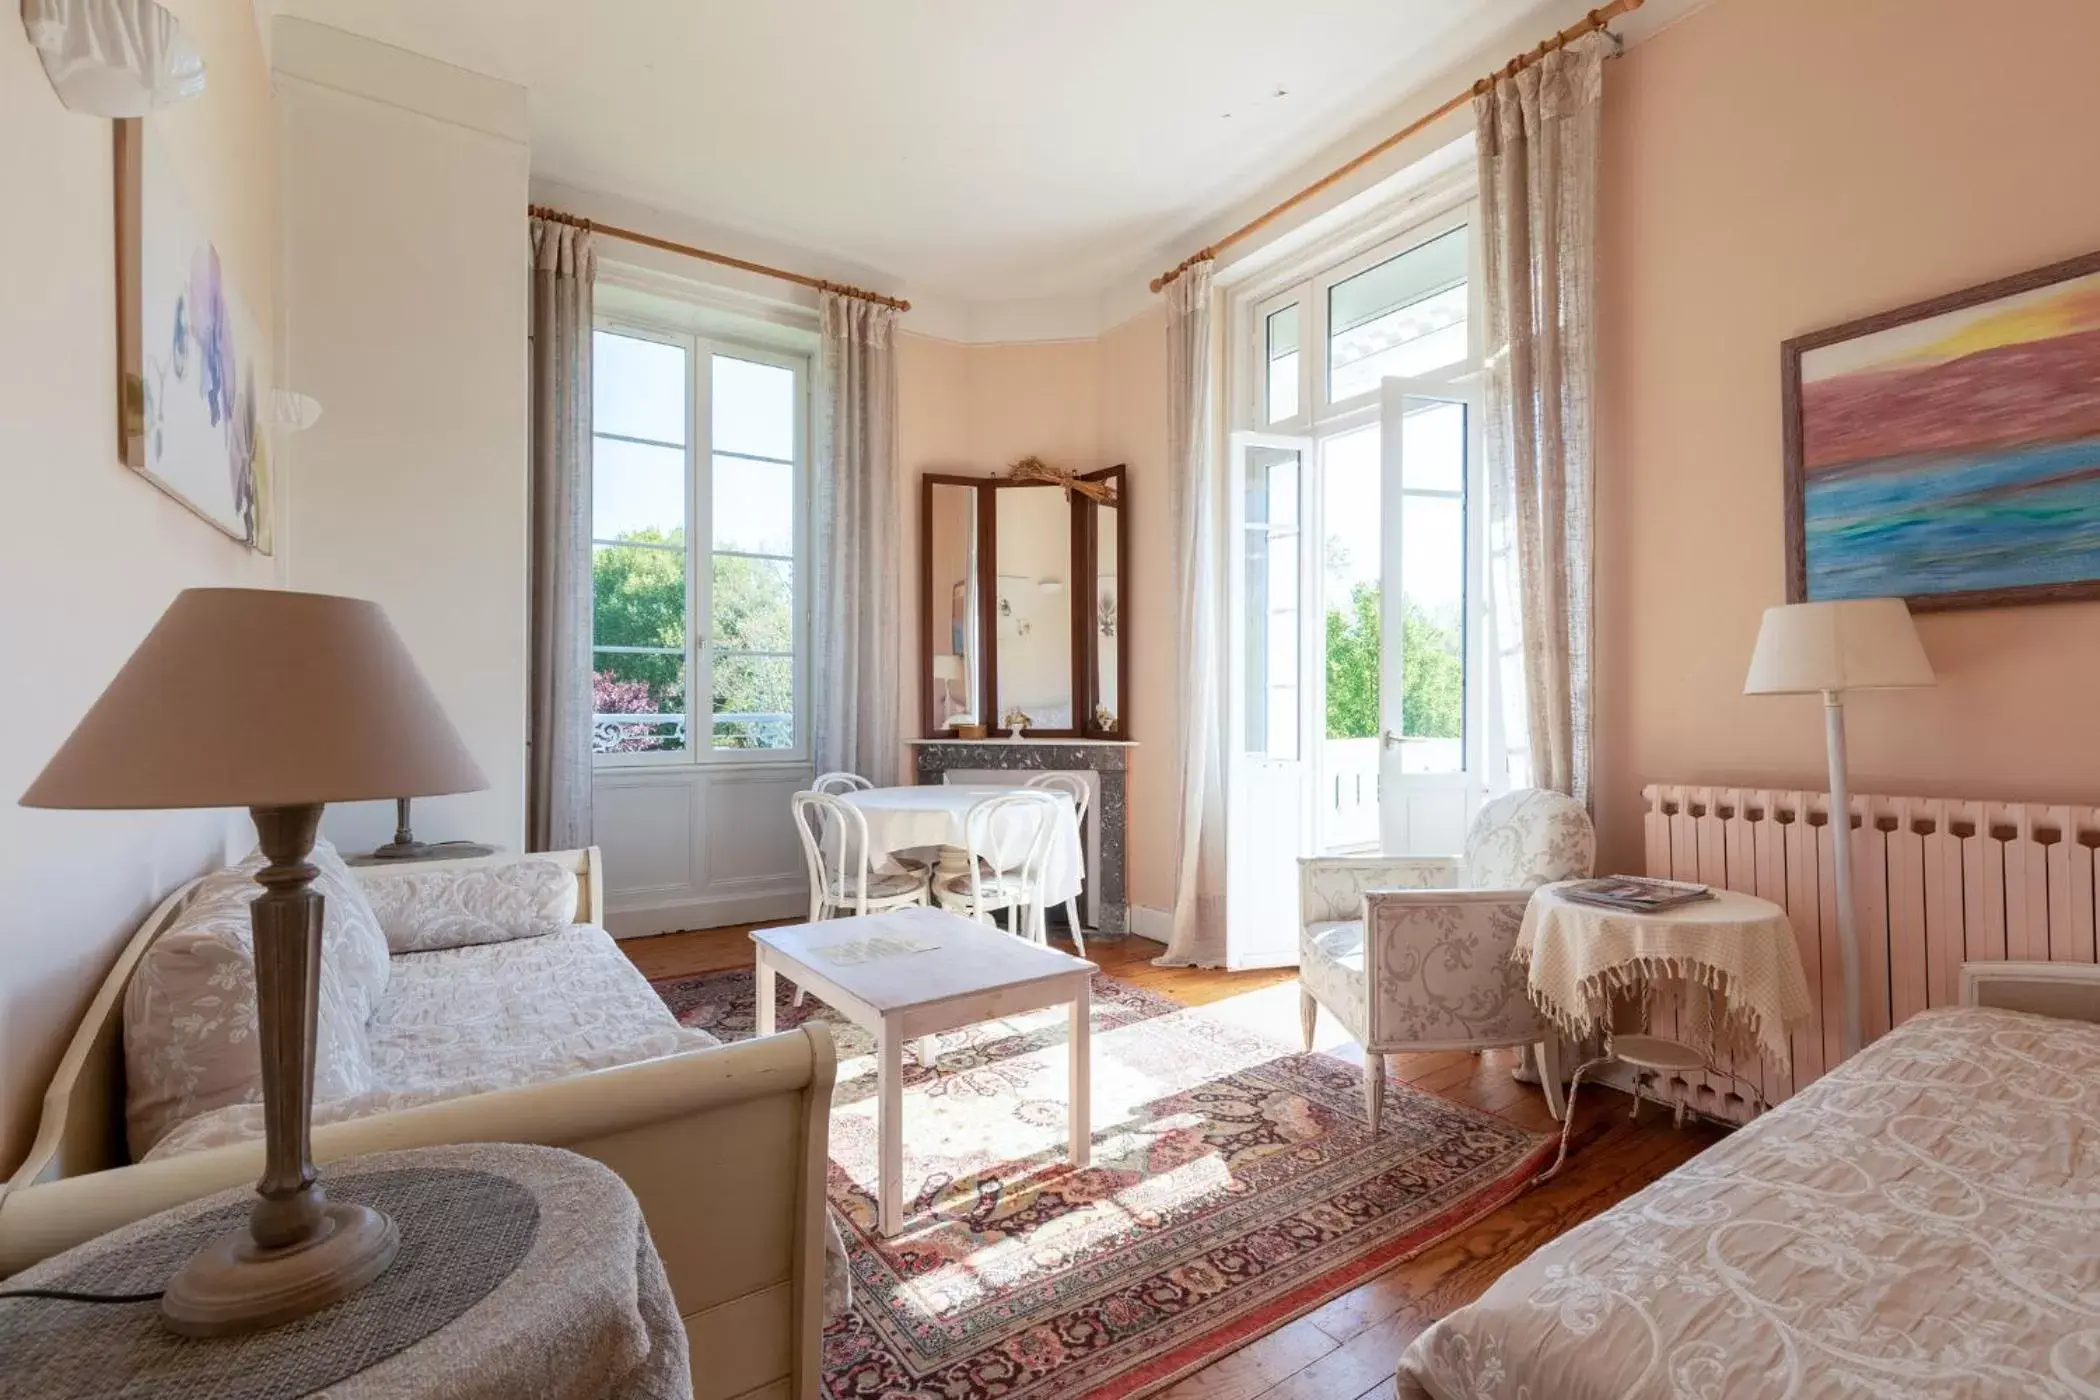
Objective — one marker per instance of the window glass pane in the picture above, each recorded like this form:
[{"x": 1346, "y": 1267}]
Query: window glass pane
[
  {"x": 638, "y": 387},
  {"x": 754, "y": 408},
  {"x": 637, "y": 492},
  {"x": 637, "y": 703},
  {"x": 754, "y": 506},
  {"x": 1271, "y": 502},
  {"x": 754, "y": 704},
  {"x": 1283, "y": 364},
  {"x": 1406, "y": 316},
  {"x": 754, "y": 604},
  {"x": 1351, "y": 491},
  {"x": 1433, "y": 632},
  {"x": 1433, "y": 446}
]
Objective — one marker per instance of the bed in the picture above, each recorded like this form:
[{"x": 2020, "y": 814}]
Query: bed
[{"x": 1922, "y": 1221}]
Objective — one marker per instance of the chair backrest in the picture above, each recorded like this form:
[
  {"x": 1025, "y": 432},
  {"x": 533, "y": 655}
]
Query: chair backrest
[
  {"x": 834, "y": 838},
  {"x": 1010, "y": 836},
  {"x": 1529, "y": 838},
  {"x": 1065, "y": 782},
  {"x": 835, "y": 783}
]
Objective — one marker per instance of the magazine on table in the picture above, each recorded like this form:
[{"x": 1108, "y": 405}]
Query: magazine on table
[{"x": 1634, "y": 894}]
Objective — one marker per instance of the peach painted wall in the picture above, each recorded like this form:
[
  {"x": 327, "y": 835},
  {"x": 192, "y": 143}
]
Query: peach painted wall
[
  {"x": 1770, "y": 167},
  {"x": 971, "y": 410}
]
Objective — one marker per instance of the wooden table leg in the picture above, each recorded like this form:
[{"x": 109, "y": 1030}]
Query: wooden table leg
[
  {"x": 764, "y": 980},
  {"x": 1080, "y": 1113},
  {"x": 889, "y": 1130}
]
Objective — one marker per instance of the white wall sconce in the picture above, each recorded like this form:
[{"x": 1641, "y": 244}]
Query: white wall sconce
[
  {"x": 113, "y": 58},
  {"x": 295, "y": 412}
]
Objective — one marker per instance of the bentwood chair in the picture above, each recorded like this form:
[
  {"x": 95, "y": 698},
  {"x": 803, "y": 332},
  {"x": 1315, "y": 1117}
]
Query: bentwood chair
[
  {"x": 832, "y": 784},
  {"x": 1007, "y": 841},
  {"x": 842, "y": 877},
  {"x": 1075, "y": 785}
]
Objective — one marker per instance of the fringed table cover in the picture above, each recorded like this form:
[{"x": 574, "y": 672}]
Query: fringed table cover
[{"x": 1737, "y": 947}]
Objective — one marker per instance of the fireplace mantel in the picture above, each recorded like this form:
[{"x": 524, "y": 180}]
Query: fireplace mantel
[{"x": 1107, "y": 759}]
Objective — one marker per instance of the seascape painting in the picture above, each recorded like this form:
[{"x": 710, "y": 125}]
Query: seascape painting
[
  {"x": 1949, "y": 453},
  {"x": 194, "y": 395}
]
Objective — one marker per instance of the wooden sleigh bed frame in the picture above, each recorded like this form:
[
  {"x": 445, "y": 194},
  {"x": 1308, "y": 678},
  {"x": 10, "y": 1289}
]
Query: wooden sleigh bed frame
[{"x": 726, "y": 1149}]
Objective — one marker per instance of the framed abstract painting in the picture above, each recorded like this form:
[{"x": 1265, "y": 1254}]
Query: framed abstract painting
[
  {"x": 193, "y": 393},
  {"x": 1948, "y": 453}
]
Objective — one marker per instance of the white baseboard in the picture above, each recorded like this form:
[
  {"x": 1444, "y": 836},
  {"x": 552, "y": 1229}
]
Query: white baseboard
[
  {"x": 1155, "y": 924},
  {"x": 712, "y": 911}
]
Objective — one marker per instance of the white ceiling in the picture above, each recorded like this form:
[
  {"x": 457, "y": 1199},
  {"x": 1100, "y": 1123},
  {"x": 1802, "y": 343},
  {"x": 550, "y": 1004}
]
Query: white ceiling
[{"x": 974, "y": 149}]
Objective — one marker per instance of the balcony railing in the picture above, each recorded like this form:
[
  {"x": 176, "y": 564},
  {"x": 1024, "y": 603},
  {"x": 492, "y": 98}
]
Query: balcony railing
[{"x": 658, "y": 733}]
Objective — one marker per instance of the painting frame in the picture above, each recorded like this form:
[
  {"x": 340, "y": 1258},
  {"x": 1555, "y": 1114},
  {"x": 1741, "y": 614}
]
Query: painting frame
[
  {"x": 226, "y": 483},
  {"x": 1792, "y": 353}
]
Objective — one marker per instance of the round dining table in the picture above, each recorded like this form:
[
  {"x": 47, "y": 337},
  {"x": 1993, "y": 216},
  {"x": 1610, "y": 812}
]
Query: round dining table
[{"x": 936, "y": 814}]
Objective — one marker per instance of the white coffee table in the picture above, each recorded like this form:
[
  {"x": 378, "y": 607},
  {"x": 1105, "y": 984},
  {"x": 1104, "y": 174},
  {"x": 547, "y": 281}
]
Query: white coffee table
[{"x": 969, "y": 973}]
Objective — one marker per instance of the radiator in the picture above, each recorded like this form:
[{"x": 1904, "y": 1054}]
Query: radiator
[{"x": 1938, "y": 882}]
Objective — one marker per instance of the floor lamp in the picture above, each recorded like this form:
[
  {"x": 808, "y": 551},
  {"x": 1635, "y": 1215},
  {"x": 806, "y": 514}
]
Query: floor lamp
[
  {"x": 277, "y": 702},
  {"x": 1830, "y": 648}
]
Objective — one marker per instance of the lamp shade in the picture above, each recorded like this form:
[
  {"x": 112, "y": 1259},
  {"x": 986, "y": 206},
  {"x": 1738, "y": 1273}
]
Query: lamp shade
[
  {"x": 250, "y": 697},
  {"x": 1854, "y": 644},
  {"x": 113, "y": 58}
]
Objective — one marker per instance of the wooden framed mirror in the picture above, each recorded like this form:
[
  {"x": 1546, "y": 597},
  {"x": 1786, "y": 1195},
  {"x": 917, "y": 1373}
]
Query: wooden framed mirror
[{"x": 1020, "y": 594}]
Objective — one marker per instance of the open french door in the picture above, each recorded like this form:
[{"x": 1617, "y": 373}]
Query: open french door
[
  {"x": 1433, "y": 717},
  {"x": 1269, "y": 650}
]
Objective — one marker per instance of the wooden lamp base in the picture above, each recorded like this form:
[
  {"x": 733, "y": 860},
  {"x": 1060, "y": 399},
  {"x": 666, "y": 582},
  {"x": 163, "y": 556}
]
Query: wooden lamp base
[{"x": 235, "y": 1285}]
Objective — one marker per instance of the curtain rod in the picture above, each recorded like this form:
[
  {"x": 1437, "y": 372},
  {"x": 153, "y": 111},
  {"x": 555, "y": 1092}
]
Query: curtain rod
[
  {"x": 541, "y": 211},
  {"x": 1594, "y": 20}
]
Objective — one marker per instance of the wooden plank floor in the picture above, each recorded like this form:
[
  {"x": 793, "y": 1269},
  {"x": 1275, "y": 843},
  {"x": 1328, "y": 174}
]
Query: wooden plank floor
[{"x": 1346, "y": 1349}]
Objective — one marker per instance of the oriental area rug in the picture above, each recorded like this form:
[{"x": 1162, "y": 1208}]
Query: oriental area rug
[{"x": 1233, "y": 1187}]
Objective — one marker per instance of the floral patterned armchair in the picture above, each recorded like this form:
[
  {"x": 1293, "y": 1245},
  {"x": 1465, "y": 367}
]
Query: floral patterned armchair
[{"x": 1413, "y": 953}]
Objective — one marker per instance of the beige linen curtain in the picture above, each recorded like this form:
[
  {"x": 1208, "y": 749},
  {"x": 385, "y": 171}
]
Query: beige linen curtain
[
  {"x": 857, "y": 631},
  {"x": 558, "y": 735},
  {"x": 1537, "y": 143},
  {"x": 1199, "y": 935}
]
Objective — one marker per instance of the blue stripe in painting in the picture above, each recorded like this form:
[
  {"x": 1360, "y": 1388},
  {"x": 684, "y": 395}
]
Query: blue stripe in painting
[{"x": 2000, "y": 518}]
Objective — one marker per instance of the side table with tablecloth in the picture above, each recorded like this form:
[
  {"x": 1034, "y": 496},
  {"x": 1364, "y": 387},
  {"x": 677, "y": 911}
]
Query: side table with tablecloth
[
  {"x": 1735, "y": 951},
  {"x": 522, "y": 1271}
]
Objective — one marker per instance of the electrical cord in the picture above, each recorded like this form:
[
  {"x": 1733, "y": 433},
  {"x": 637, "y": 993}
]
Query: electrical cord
[{"x": 67, "y": 1295}]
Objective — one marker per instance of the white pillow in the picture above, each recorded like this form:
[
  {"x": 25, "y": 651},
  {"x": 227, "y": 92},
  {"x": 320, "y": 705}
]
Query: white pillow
[
  {"x": 424, "y": 911},
  {"x": 190, "y": 1026}
]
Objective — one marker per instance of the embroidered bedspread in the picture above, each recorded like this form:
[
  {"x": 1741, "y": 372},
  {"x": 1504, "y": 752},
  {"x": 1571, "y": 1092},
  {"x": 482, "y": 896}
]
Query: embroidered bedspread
[{"x": 1923, "y": 1221}]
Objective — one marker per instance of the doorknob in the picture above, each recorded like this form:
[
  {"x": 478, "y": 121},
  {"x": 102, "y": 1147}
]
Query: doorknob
[{"x": 1390, "y": 739}]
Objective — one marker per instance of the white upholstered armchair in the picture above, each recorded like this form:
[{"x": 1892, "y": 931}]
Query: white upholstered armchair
[{"x": 1413, "y": 952}]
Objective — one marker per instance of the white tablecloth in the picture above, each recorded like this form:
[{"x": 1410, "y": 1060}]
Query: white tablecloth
[
  {"x": 933, "y": 814},
  {"x": 1737, "y": 946}
]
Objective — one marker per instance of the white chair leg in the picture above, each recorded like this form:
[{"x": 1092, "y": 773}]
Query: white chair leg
[
  {"x": 1374, "y": 1087},
  {"x": 800, "y": 993},
  {"x": 1072, "y": 917},
  {"x": 1308, "y": 1016},
  {"x": 1549, "y": 1076},
  {"x": 928, "y": 1048}
]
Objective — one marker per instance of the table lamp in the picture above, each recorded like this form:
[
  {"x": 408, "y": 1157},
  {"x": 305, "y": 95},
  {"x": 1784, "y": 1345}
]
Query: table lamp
[
  {"x": 1855, "y": 644},
  {"x": 277, "y": 702}
]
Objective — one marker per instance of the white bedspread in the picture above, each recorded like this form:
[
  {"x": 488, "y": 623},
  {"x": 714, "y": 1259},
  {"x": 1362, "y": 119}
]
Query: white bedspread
[{"x": 1923, "y": 1221}]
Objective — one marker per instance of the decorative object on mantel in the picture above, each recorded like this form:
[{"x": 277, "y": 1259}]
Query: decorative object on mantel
[
  {"x": 113, "y": 58},
  {"x": 1036, "y": 471},
  {"x": 1018, "y": 721},
  {"x": 504, "y": 1246},
  {"x": 1946, "y": 452},
  {"x": 193, "y": 392},
  {"x": 278, "y": 702},
  {"x": 405, "y": 846},
  {"x": 1859, "y": 644},
  {"x": 1104, "y": 719}
]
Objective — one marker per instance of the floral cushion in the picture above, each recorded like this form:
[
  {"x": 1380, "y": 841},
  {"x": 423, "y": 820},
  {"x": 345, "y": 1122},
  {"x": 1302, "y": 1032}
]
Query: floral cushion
[
  {"x": 190, "y": 1016},
  {"x": 351, "y": 937},
  {"x": 1529, "y": 838},
  {"x": 426, "y": 911}
]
